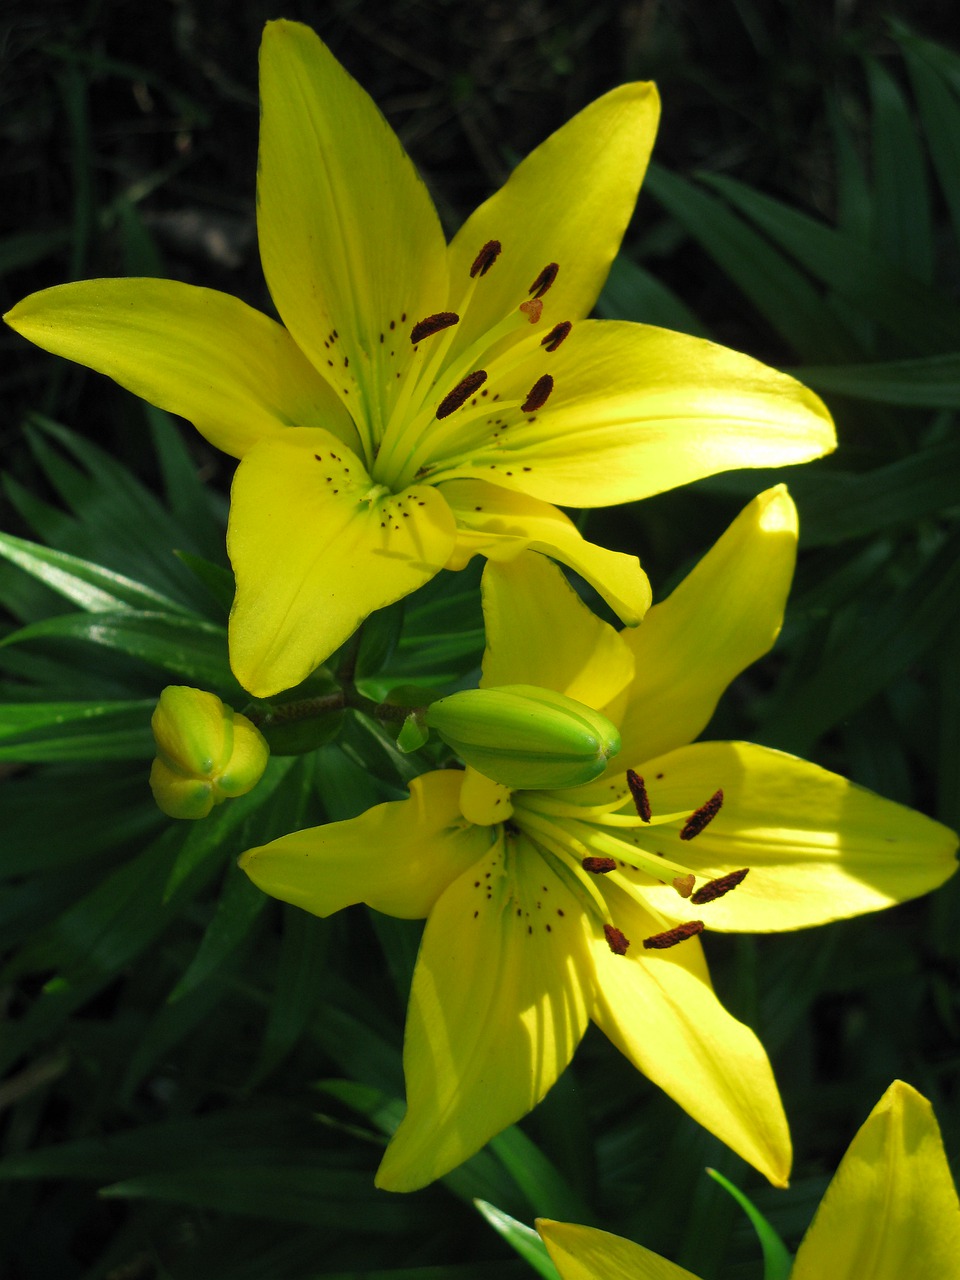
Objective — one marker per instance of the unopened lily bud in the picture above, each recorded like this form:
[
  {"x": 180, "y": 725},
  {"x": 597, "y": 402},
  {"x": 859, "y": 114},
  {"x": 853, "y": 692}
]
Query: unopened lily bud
[
  {"x": 525, "y": 737},
  {"x": 206, "y": 752}
]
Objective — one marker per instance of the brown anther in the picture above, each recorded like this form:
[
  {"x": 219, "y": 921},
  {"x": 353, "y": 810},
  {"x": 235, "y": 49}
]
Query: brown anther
[
  {"x": 661, "y": 941},
  {"x": 639, "y": 792},
  {"x": 544, "y": 280},
  {"x": 684, "y": 885},
  {"x": 433, "y": 324},
  {"x": 461, "y": 393},
  {"x": 702, "y": 817},
  {"x": 715, "y": 889},
  {"x": 615, "y": 940},
  {"x": 538, "y": 395},
  {"x": 556, "y": 335},
  {"x": 485, "y": 258},
  {"x": 532, "y": 309},
  {"x": 599, "y": 866}
]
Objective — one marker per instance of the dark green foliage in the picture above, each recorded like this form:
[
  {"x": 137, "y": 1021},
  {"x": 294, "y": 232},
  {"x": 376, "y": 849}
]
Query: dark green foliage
[{"x": 199, "y": 1081}]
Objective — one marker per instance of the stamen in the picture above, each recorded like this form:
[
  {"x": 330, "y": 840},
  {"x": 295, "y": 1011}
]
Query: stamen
[
  {"x": 532, "y": 309},
  {"x": 661, "y": 941},
  {"x": 616, "y": 941},
  {"x": 684, "y": 886},
  {"x": 639, "y": 793},
  {"x": 702, "y": 817},
  {"x": 433, "y": 324},
  {"x": 461, "y": 393},
  {"x": 599, "y": 866},
  {"x": 556, "y": 335},
  {"x": 714, "y": 889},
  {"x": 538, "y": 395},
  {"x": 544, "y": 280},
  {"x": 485, "y": 258}
]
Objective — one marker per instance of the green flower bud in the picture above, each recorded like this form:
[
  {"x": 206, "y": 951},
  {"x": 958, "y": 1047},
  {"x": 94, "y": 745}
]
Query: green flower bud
[
  {"x": 206, "y": 752},
  {"x": 525, "y": 737}
]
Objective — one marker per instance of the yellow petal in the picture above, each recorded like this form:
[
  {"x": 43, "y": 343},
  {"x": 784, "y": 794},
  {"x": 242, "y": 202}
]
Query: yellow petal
[
  {"x": 659, "y": 1009},
  {"x": 498, "y": 524},
  {"x": 584, "y": 1253},
  {"x": 234, "y": 373},
  {"x": 397, "y": 857},
  {"x": 316, "y": 547},
  {"x": 818, "y": 847},
  {"x": 636, "y": 410},
  {"x": 484, "y": 801},
  {"x": 349, "y": 238},
  {"x": 891, "y": 1211},
  {"x": 723, "y": 616},
  {"x": 497, "y": 1008},
  {"x": 568, "y": 202},
  {"x": 540, "y": 632}
]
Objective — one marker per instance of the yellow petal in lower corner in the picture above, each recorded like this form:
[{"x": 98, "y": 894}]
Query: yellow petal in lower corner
[
  {"x": 498, "y": 1006},
  {"x": 317, "y": 546},
  {"x": 499, "y": 524},
  {"x": 584, "y": 1253},
  {"x": 891, "y": 1211}
]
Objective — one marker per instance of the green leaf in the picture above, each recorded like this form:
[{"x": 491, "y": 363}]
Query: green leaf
[
  {"x": 238, "y": 908},
  {"x": 777, "y": 1260},
  {"x": 520, "y": 1237},
  {"x": 188, "y": 647},
  {"x": 932, "y": 382},
  {"x": 546, "y": 1189},
  {"x": 89, "y": 585},
  {"x": 37, "y": 731},
  {"x": 940, "y": 117},
  {"x": 919, "y": 317},
  {"x": 902, "y": 202},
  {"x": 781, "y": 293}
]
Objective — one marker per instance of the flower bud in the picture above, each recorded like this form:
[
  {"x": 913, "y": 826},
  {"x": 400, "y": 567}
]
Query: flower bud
[
  {"x": 525, "y": 737},
  {"x": 206, "y": 752}
]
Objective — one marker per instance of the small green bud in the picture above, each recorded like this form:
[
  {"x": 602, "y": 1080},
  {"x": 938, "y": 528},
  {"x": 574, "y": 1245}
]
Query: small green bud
[
  {"x": 206, "y": 752},
  {"x": 525, "y": 737}
]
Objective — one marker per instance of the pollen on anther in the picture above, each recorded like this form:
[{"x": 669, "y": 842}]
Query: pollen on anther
[
  {"x": 485, "y": 258},
  {"x": 616, "y": 940},
  {"x": 556, "y": 335},
  {"x": 671, "y": 937},
  {"x": 538, "y": 395},
  {"x": 702, "y": 817},
  {"x": 639, "y": 793},
  {"x": 544, "y": 280},
  {"x": 532, "y": 309},
  {"x": 461, "y": 393},
  {"x": 427, "y": 327},
  {"x": 714, "y": 889},
  {"x": 599, "y": 866}
]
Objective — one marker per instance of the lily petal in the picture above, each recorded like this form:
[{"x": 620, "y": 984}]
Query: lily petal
[
  {"x": 723, "y": 616},
  {"x": 500, "y": 524},
  {"x": 497, "y": 1008},
  {"x": 569, "y": 201},
  {"x": 661, "y": 1012},
  {"x": 234, "y": 373},
  {"x": 397, "y": 857},
  {"x": 637, "y": 410},
  {"x": 540, "y": 632},
  {"x": 585, "y": 1253},
  {"x": 351, "y": 245},
  {"x": 891, "y": 1210},
  {"x": 819, "y": 848},
  {"x": 316, "y": 547}
]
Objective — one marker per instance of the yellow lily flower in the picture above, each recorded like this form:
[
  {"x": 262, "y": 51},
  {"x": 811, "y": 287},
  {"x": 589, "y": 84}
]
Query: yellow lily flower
[
  {"x": 423, "y": 403},
  {"x": 546, "y": 909},
  {"x": 890, "y": 1213}
]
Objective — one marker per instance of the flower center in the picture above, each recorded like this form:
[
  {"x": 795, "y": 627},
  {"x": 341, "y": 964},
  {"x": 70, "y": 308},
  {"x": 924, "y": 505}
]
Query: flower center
[
  {"x": 596, "y": 841},
  {"x": 455, "y": 394}
]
